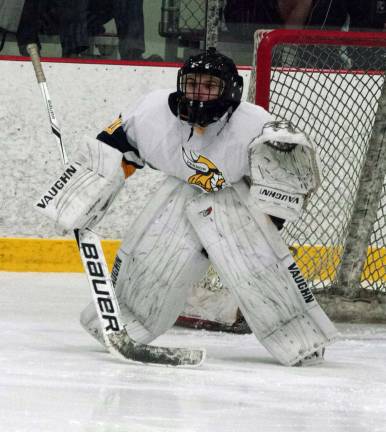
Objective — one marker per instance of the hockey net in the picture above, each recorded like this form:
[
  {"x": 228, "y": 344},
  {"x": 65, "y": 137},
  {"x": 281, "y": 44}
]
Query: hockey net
[{"x": 330, "y": 85}]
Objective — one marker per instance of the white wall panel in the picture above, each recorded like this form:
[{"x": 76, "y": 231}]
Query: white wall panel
[{"x": 86, "y": 98}]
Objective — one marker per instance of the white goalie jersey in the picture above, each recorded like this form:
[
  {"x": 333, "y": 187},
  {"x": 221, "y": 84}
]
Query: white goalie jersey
[{"x": 208, "y": 159}]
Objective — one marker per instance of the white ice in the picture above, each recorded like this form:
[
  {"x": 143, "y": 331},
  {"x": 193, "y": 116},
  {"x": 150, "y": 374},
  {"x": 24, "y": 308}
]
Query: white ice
[{"x": 56, "y": 378}]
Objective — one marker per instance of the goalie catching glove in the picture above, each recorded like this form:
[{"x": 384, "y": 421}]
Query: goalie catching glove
[
  {"x": 285, "y": 170},
  {"x": 80, "y": 197}
]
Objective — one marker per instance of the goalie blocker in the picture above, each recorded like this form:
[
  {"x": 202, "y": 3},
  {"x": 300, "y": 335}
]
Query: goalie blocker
[{"x": 82, "y": 194}]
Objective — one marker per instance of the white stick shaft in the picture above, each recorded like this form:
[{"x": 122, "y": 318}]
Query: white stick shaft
[
  {"x": 99, "y": 279},
  {"x": 55, "y": 128},
  {"x": 33, "y": 52}
]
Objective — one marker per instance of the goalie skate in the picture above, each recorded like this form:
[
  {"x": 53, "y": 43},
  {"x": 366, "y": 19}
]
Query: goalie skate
[
  {"x": 240, "y": 326},
  {"x": 314, "y": 359}
]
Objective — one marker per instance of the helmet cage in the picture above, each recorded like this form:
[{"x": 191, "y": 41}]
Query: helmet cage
[
  {"x": 200, "y": 107},
  {"x": 199, "y": 86}
]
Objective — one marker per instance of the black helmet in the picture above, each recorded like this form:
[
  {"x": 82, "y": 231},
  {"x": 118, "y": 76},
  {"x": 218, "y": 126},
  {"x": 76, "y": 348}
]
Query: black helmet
[{"x": 210, "y": 109}]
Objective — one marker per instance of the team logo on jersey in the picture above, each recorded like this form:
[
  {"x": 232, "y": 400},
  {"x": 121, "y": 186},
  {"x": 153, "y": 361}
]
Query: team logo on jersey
[
  {"x": 114, "y": 126},
  {"x": 208, "y": 177},
  {"x": 206, "y": 212}
]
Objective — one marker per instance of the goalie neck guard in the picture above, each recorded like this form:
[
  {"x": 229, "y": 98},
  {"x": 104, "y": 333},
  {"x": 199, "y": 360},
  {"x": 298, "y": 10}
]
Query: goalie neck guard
[{"x": 224, "y": 87}]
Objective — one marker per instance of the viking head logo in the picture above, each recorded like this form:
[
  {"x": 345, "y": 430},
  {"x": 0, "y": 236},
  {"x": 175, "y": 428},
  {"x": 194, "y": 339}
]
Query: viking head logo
[{"x": 208, "y": 177}]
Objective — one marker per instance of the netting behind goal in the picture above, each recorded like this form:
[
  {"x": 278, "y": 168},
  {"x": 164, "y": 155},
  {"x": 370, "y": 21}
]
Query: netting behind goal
[{"x": 330, "y": 84}]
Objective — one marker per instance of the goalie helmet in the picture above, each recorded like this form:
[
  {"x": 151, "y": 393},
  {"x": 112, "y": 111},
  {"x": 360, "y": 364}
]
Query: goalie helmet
[{"x": 208, "y": 86}]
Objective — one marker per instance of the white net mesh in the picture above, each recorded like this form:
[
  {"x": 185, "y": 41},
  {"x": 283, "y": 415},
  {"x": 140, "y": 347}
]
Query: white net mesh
[{"x": 331, "y": 91}]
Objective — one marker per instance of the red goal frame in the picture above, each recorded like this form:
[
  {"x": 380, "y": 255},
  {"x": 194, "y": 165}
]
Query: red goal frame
[{"x": 268, "y": 39}]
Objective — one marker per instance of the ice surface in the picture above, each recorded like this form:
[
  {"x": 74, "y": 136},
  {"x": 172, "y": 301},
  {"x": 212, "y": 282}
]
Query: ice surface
[{"x": 55, "y": 378}]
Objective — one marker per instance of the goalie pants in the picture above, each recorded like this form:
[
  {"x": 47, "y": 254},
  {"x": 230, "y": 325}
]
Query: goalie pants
[{"x": 161, "y": 257}]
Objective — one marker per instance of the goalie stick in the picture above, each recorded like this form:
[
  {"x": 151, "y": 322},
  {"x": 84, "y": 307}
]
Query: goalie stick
[{"x": 117, "y": 340}]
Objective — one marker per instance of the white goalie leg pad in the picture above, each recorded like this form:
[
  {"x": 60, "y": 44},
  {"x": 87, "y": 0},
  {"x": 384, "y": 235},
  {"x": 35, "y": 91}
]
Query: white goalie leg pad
[
  {"x": 159, "y": 260},
  {"x": 81, "y": 195},
  {"x": 256, "y": 266}
]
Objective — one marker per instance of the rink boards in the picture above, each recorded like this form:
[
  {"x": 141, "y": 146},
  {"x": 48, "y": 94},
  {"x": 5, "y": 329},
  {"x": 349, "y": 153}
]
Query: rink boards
[
  {"x": 61, "y": 255},
  {"x": 86, "y": 98}
]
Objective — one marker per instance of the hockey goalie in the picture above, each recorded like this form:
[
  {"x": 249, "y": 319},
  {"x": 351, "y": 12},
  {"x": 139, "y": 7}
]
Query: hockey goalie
[{"x": 233, "y": 176}]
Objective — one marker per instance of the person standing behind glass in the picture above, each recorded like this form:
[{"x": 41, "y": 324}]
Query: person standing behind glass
[
  {"x": 66, "y": 18},
  {"x": 129, "y": 21},
  {"x": 77, "y": 20},
  {"x": 243, "y": 17}
]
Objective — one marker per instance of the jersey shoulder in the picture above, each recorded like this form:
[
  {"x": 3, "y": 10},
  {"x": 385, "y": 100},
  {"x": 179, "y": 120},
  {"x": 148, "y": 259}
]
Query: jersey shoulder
[
  {"x": 155, "y": 101},
  {"x": 247, "y": 109},
  {"x": 250, "y": 119}
]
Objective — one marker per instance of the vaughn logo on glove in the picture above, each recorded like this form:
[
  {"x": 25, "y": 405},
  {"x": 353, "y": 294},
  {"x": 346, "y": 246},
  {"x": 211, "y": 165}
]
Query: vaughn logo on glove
[
  {"x": 278, "y": 203},
  {"x": 275, "y": 195},
  {"x": 56, "y": 187}
]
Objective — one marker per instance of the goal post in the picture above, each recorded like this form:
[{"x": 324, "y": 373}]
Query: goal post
[{"x": 331, "y": 85}]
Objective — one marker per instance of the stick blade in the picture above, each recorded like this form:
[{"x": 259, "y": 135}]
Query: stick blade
[{"x": 121, "y": 345}]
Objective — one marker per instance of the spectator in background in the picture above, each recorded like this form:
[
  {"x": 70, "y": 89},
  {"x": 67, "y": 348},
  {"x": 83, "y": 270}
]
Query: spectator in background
[
  {"x": 28, "y": 25},
  {"x": 378, "y": 14},
  {"x": 77, "y": 20},
  {"x": 71, "y": 17},
  {"x": 129, "y": 21},
  {"x": 10, "y": 13},
  {"x": 68, "y": 18},
  {"x": 243, "y": 17}
]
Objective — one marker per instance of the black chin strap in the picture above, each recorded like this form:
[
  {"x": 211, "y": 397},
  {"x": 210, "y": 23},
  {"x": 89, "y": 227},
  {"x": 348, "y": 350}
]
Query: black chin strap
[
  {"x": 229, "y": 115},
  {"x": 191, "y": 132}
]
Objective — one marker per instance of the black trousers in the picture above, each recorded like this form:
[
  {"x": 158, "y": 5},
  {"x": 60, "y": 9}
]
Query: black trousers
[{"x": 76, "y": 20}]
